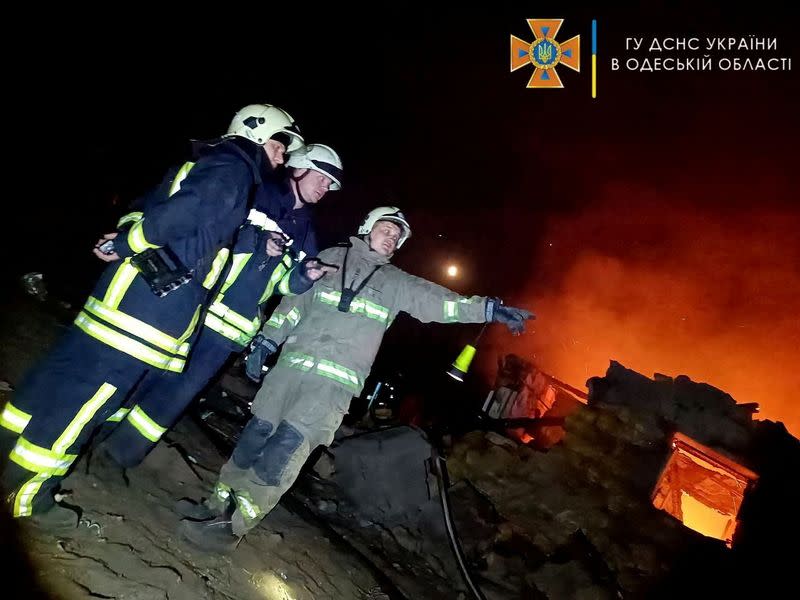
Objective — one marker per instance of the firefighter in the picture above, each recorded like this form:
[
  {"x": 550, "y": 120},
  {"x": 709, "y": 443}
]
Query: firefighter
[
  {"x": 234, "y": 318},
  {"x": 331, "y": 336},
  {"x": 142, "y": 316}
]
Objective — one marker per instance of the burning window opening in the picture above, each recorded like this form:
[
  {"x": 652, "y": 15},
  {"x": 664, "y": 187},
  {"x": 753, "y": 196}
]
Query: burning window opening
[{"x": 702, "y": 488}]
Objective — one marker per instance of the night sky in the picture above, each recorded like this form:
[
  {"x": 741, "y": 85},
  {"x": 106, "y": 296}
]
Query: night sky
[{"x": 516, "y": 186}]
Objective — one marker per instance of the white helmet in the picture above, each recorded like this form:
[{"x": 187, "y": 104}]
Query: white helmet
[
  {"x": 320, "y": 158},
  {"x": 386, "y": 213},
  {"x": 260, "y": 122}
]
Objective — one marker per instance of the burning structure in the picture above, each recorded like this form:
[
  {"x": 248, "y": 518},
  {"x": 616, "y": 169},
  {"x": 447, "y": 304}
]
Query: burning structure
[{"x": 653, "y": 486}]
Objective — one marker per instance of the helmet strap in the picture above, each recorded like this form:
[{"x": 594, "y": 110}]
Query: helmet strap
[{"x": 298, "y": 192}]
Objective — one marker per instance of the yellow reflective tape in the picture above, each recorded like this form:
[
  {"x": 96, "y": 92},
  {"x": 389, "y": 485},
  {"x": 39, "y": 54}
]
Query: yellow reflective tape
[
  {"x": 249, "y": 327},
  {"x": 359, "y": 305},
  {"x": 24, "y": 497},
  {"x": 301, "y": 363},
  {"x": 119, "y": 415},
  {"x": 136, "y": 240},
  {"x": 326, "y": 368},
  {"x": 119, "y": 284},
  {"x": 40, "y": 460},
  {"x": 283, "y": 286},
  {"x": 189, "y": 330},
  {"x": 129, "y": 218},
  {"x": 239, "y": 321},
  {"x": 375, "y": 310},
  {"x": 225, "y": 313},
  {"x": 276, "y": 321},
  {"x": 293, "y": 316},
  {"x": 338, "y": 372},
  {"x": 138, "y": 328},
  {"x": 180, "y": 176},
  {"x": 247, "y": 506},
  {"x": 13, "y": 418},
  {"x": 329, "y": 297},
  {"x": 218, "y": 309},
  {"x": 127, "y": 345},
  {"x": 237, "y": 264},
  {"x": 84, "y": 415},
  {"x": 47, "y": 463},
  {"x": 229, "y": 331},
  {"x": 276, "y": 276},
  {"x": 216, "y": 268},
  {"x": 369, "y": 309},
  {"x": 298, "y": 360},
  {"x": 145, "y": 425},
  {"x": 222, "y": 491}
]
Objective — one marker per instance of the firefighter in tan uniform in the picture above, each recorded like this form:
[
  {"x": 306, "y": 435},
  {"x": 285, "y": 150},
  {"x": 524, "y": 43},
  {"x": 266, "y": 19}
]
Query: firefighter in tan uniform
[{"x": 331, "y": 335}]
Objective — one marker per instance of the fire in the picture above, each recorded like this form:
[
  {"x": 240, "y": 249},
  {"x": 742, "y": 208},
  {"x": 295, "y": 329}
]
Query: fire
[
  {"x": 702, "y": 488},
  {"x": 669, "y": 289}
]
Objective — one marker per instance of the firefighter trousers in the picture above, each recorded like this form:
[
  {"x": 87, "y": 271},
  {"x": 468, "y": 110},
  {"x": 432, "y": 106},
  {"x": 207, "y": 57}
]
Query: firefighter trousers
[
  {"x": 298, "y": 412},
  {"x": 157, "y": 406},
  {"x": 80, "y": 385}
]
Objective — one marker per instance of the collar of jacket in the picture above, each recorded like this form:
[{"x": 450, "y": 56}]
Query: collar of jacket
[
  {"x": 276, "y": 194},
  {"x": 304, "y": 213},
  {"x": 360, "y": 249},
  {"x": 250, "y": 152},
  {"x": 301, "y": 214}
]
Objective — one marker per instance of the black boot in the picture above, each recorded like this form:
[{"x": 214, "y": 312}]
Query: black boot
[
  {"x": 104, "y": 465},
  {"x": 213, "y": 535},
  {"x": 58, "y": 519},
  {"x": 203, "y": 511}
]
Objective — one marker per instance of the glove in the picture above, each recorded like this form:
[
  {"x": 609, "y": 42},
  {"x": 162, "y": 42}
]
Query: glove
[
  {"x": 260, "y": 349},
  {"x": 511, "y": 317},
  {"x": 314, "y": 269}
]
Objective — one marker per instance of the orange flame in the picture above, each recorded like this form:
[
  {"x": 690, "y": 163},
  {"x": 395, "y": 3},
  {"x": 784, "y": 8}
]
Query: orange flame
[{"x": 669, "y": 289}]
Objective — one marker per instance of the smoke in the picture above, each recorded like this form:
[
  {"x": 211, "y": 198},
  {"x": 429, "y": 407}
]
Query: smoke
[{"x": 650, "y": 280}]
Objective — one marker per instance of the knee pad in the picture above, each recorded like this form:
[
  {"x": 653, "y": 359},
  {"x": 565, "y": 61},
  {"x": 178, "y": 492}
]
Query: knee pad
[
  {"x": 251, "y": 443},
  {"x": 277, "y": 453}
]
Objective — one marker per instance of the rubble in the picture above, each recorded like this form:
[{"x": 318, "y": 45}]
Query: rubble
[
  {"x": 596, "y": 485},
  {"x": 558, "y": 508}
]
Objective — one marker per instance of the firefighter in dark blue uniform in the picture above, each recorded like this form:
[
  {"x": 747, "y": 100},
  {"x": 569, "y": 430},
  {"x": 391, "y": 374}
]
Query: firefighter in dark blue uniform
[
  {"x": 235, "y": 316},
  {"x": 128, "y": 331}
]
